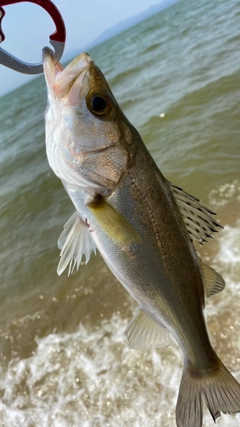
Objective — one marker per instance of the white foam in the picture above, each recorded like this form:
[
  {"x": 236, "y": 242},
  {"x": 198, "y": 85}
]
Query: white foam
[
  {"x": 90, "y": 378},
  {"x": 229, "y": 253},
  {"x": 221, "y": 195}
]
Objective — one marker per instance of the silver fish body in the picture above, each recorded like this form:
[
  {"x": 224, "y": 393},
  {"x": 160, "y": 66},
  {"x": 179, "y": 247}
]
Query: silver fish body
[
  {"x": 170, "y": 292},
  {"x": 140, "y": 223}
]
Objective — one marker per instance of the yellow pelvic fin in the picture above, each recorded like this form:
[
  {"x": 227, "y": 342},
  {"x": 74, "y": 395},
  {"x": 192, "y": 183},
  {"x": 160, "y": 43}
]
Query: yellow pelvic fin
[{"x": 113, "y": 223}]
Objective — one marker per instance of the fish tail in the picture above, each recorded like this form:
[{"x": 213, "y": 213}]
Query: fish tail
[{"x": 217, "y": 387}]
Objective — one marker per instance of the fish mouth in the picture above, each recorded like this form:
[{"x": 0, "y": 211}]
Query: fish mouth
[{"x": 60, "y": 80}]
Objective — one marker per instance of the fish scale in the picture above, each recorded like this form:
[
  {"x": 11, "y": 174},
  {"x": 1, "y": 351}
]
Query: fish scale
[{"x": 142, "y": 225}]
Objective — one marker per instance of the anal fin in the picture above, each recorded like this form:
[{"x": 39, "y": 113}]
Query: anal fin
[{"x": 144, "y": 333}]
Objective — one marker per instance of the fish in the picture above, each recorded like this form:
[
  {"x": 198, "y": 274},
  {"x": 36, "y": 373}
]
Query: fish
[{"x": 143, "y": 226}]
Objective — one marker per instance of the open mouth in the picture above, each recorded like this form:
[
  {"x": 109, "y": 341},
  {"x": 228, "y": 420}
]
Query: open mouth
[{"x": 60, "y": 79}]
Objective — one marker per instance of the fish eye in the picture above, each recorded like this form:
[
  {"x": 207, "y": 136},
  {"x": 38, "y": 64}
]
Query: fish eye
[{"x": 99, "y": 104}]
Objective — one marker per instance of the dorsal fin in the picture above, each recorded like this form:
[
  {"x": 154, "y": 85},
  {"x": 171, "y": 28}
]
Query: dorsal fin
[
  {"x": 213, "y": 281},
  {"x": 74, "y": 242},
  {"x": 144, "y": 333},
  {"x": 197, "y": 217}
]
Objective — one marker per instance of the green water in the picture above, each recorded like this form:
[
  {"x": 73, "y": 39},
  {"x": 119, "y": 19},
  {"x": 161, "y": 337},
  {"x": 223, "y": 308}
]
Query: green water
[{"x": 64, "y": 361}]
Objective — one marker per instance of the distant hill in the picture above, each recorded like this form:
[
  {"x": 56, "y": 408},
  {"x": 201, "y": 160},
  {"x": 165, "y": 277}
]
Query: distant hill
[
  {"x": 133, "y": 20},
  {"x": 122, "y": 26}
]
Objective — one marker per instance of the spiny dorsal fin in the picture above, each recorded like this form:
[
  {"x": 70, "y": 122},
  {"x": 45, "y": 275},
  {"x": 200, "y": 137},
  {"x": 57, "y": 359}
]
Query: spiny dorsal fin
[
  {"x": 74, "y": 242},
  {"x": 213, "y": 281},
  {"x": 144, "y": 333},
  {"x": 196, "y": 216}
]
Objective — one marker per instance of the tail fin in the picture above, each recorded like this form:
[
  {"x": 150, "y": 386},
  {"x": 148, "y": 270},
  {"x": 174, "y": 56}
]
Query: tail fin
[{"x": 217, "y": 387}]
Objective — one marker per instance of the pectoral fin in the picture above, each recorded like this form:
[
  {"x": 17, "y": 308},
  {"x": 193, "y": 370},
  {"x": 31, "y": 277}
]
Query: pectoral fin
[
  {"x": 213, "y": 281},
  {"x": 74, "y": 242},
  {"x": 144, "y": 333},
  {"x": 113, "y": 223},
  {"x": 197, "y": 217}
]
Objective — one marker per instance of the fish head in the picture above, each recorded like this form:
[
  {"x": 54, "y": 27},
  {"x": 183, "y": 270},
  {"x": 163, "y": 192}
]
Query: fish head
[{"x": 89, "y": 141}]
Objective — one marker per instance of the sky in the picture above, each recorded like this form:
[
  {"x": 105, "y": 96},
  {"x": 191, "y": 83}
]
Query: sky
[{"x": 27, "y": 28}]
